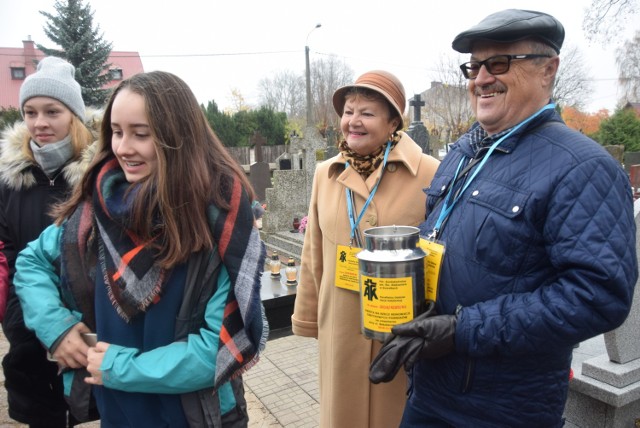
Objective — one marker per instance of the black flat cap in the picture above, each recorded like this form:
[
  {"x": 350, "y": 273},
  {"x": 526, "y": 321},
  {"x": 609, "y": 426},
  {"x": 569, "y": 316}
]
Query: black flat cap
[{"x": 512, "y": 25}]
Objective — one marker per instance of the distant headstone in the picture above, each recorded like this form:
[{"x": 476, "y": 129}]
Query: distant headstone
[
  {"x": 259, "y": 173},
  {"x": 284, "y": 161},
  {"x": 260, "y": 178},
  {"x": 617, "y": 151},
  {"x": 257, "y": 141},
  {"x": 291, "y": 192},
  {"x": 332, "y": 136},
  {"x": 332, "y": 143},
  {"x": 417, "y": 105},
  {"x": 331, "y": 152},
  {"x": 631, "y": 158},
  {"x": 417, "y": 131},
  {"x": 296, "y": 160}
]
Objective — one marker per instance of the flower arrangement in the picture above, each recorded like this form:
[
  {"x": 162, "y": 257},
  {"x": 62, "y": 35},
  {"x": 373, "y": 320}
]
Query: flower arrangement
[{"x": 303, "y": 224}]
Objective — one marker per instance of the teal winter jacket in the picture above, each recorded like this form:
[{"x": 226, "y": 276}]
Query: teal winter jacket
[{"x": 185, "y": 366}]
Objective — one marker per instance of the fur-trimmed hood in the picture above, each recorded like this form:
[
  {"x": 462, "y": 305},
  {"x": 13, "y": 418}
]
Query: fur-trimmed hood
[{"x": 16, "y": 170}]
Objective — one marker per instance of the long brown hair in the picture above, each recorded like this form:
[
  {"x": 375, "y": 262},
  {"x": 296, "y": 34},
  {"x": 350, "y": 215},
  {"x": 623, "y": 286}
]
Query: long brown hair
[{"x": 193, "y": 171}]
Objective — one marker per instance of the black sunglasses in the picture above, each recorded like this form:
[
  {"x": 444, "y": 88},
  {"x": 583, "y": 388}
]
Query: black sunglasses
[{"x": 498, "y": 64}]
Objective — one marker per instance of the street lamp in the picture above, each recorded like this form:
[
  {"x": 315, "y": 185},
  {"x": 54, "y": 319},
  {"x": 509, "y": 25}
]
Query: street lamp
[{"x": 306, "y": 56}]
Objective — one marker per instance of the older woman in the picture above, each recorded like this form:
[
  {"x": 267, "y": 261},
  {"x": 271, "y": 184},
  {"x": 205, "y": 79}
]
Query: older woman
[{"x": 377, "y": 179}]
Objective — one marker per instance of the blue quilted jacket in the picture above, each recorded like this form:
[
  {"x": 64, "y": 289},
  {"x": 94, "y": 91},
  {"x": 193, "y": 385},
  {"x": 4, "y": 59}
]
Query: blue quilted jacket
[{"x": 540, "y": 255}]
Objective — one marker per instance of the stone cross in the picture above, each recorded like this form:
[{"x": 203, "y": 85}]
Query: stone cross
[
  {"x": 416, "y": 103},
  {"x": 257, "y": 141},
  {"x": 417, "y": 130},
  {"x": 259, "y": 171}
]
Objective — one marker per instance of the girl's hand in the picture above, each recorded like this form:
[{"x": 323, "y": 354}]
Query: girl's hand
[
  {"x": 72, "y": 351},
  {"x": 95, "y": 357}
]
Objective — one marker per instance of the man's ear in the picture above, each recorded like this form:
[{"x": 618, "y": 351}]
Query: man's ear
[{"x": 551, "y": 69}]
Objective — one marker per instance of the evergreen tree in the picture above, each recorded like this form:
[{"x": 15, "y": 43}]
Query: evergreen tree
[
  {"x": 236, "y": 130},
  {"x": 221, "y": 123},
  {"x": 82, "y": 45},
  {"x": 8, "y": 116},
  {"x": 272, "y": 125},
  {"x": 621, "y": 128}
]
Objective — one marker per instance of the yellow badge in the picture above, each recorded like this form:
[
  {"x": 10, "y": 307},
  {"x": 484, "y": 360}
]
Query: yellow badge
[
  {"x": 347, "y": 267},
  {"x": 432, "y": 263}
]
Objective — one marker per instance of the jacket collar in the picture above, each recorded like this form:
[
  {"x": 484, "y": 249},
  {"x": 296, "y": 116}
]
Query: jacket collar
[{"x": 509, "y": 144}]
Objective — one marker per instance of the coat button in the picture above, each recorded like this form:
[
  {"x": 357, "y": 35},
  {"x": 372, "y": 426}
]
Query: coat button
[
  {"x": 392, "y": 167},
  {"x": 515, "y": 209},
  {"x": 442, "y": 188},
  {"x": 373, "y": 220},
  {"x": 475, "y": 193}
]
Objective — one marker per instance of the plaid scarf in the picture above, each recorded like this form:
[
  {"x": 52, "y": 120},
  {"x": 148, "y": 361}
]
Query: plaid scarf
[
  {"x": 135, "y": 282},
  {"x": 127, "y": 264},
  {"x": 479, "y": 139}
]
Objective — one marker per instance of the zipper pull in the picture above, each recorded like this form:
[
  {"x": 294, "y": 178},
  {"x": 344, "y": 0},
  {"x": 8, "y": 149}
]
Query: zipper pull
[{"x": 52, "y": 182}]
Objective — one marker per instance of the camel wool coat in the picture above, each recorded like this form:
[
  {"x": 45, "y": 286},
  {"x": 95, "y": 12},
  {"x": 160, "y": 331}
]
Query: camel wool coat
[{"x": 331, "y": 314}]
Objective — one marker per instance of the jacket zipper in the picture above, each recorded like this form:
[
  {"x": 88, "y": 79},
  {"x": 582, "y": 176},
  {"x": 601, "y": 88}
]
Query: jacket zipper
[
  {"x": 52, "y": 181},
  {"x": 468, "y": 370}
]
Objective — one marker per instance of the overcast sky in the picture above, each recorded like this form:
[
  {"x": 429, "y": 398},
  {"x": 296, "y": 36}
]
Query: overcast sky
[{"x": 218, "y": 46}]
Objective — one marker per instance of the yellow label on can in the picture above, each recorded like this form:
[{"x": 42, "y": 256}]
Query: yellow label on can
[{"x": 386, "y": 302}]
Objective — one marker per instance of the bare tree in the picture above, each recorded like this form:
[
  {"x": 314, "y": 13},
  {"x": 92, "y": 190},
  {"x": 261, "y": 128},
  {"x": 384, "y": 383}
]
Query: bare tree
[
  {"x": 237, "y": 102},
  {"x": 447, "y": 112},
  {"x": 327, "y": 75},
  {"x": 605, "y": 19},
  {"x": 628, "y": 60},
  {"x": 573, "y": 85},
  {"x": 284, "y": 92}
]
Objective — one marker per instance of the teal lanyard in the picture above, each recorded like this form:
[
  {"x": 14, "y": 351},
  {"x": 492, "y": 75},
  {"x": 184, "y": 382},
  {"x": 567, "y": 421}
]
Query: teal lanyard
[
  {"x": 448, "y": 204},
  {"x": 351, "y": 209}
]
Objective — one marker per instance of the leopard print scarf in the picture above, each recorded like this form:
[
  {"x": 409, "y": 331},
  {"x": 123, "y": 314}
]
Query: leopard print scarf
[{"x": 366, "y": 165}]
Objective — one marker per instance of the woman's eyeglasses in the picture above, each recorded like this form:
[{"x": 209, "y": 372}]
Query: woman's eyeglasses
[{"x": 495, "y": 65}]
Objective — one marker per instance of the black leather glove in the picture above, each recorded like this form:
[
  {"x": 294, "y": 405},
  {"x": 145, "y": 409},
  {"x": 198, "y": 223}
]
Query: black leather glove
[{"x": 428, "y": 336}]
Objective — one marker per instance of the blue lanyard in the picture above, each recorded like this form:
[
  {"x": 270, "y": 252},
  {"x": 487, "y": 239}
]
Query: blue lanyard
[
  {"x": 350, "y": 208},
  {"x": 447, "y": 205}
]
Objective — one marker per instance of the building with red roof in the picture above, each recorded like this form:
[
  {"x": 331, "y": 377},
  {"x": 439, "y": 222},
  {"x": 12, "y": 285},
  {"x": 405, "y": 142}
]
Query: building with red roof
[{"x": 17, "y": 63}]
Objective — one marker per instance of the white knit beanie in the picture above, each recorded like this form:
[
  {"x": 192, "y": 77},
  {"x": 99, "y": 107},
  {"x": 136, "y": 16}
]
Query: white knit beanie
[{"x": 54, "y": 78}]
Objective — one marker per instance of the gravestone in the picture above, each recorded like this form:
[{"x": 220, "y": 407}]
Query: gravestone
[
  {"x": 605, "y": 390},
  {"x": 259, "y": 171},
  {"x": 313, "y": 147},
  {"x": 417, "y": 131},
  {"x": 617, "y": 151},
  {"x": 284, "y": 161},
  {"x": 290, "y": 194},
  {"x": 631, "y": 158},
  {"x": 297, "y": 154},
  {"x": 332, "y": 142}
]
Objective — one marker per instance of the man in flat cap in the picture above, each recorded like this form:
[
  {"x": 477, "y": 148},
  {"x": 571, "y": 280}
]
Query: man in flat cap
[{"x": 536, "y": 225}]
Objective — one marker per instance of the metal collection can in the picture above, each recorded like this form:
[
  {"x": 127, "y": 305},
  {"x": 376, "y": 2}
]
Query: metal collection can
[{"x": 391, "y": 277}]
